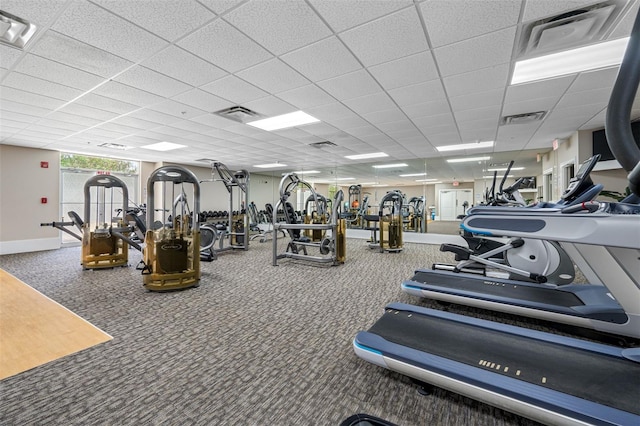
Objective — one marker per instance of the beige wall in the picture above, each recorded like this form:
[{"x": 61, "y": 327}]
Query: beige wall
[{"x": 22, "y": 184}]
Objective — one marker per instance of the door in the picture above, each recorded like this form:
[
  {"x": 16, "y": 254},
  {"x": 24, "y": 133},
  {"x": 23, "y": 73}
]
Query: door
[{"x": 452, "y": 202}]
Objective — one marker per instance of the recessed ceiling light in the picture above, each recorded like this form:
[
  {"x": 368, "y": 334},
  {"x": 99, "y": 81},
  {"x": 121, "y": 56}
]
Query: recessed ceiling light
[
  {"x": 379, "y": 184},
  {"x": 473, "y": 145},
  {"x": 270, "y": 165},
  {"x": 595, "y": 56},
  {"x": 163, "y": 146},
  {"x": 284, "y": 121},
  {"x": 491, "y": 177},
  {"x": 306, "y": 172},
  {"x": 502, "y": 169},
  {"x": 467, "y": 159},
  {"x": 426, "y": 180},
  {"x": 430, "y": 182},
  {"x": 414, "y": 174},
  {"x": 365, "y": 156},
  {"x": 349, "y": 178},
  {"x": 368, "y": 183},
  {"x": 388, "y": 166}
]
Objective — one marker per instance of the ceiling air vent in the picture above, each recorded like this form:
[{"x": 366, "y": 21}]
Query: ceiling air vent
[
  {"x": 238, "y": 113},
  {"x": 114, "y": 146},
  {"x": 15, "y": 31},
  {"x": 569, "y": 29},
  {"x": 323, "y": 144},
  {"x": 525, "y": 118}
]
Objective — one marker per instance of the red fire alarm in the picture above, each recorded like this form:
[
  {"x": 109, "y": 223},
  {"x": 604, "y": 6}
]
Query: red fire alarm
[
  {"x": 44, "y": 164},
  {"x": 43, "y": 200}
]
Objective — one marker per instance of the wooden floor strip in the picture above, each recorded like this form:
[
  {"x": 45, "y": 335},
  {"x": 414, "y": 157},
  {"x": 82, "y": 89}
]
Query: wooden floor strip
[{"x": 35, "y": 330}]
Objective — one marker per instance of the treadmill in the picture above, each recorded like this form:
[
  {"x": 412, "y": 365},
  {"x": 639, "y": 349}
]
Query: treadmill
[{"x": 546, "y": 377}]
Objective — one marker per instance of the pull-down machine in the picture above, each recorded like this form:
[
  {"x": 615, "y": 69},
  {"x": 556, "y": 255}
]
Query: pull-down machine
[
  {"x": 546, "y": 377},
  {"x": 332, "y": 247},
  {"x": 172, "y": 251}
]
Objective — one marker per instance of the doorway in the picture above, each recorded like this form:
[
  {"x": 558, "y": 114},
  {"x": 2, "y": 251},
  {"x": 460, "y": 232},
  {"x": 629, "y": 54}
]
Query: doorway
[{"x": 454, "y": 202}]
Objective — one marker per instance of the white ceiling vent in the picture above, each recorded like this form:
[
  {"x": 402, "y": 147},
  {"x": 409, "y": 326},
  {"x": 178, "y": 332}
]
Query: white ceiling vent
[
  {"x": 112, "y": 145},
  {"x": 323, "y": 144},
  {"x": 15, "y": 31},
  {"x": 238, "y": 113},
  {"x": 528, "y": 117},
  {"x": 569, "y": 30}
]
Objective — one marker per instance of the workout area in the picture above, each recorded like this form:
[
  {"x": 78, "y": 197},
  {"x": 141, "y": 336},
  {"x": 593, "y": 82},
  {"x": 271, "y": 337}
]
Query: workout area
[{"x": 320, "y": 212}]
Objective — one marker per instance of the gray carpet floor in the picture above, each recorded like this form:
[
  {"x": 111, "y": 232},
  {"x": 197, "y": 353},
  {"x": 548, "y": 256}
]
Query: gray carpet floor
[{"x": 254, "y": 344}]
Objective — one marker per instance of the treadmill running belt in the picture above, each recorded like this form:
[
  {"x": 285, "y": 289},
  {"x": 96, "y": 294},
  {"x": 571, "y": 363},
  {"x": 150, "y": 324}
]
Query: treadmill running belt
[
  {"x": 498, "y": 287},
  {"x": 602, "y": 379}
]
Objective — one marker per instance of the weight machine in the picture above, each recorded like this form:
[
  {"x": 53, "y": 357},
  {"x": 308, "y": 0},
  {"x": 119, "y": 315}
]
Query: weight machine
[
  {"x": 332, "y": 248},
  {"x": 172, "y": 251},
  {"x": 105, "y": 239},
  {"x": 236, "y": 224}
]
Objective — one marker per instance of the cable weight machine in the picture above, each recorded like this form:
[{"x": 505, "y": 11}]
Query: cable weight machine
[{"x": 172, "y": 251}]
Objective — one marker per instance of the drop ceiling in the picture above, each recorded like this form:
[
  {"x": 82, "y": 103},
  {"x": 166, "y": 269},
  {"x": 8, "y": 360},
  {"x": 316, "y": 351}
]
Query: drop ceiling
[{"x": 398, "y": 76}]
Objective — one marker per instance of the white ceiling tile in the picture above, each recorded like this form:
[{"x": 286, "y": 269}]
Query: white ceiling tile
[
  {"x": 8, "y": 56},
  {"x": 46, "y": 132},
  {"x": 427, "y": 109},
  {"x": 37, "y": 85},
  {"x": 452, "y": 21},
  {"x": 127, "y": 120},
  {"x": 585, "y": 97},
  {"x": 44, "y": 102},
  {"x": 31, "y": 112},
  {"x": 184, "y": 66},
  {"x": 234, "y": 89},
  {"x": 170, "y": 20},
  {"x": 342, "y": 15},
  {"x": 331, "y": 112},
  {"x": 477, "y": 100},
  {"x": 127, "y": 94},
  {"x": 107, "y": 104},
  {"x": 279, "y": 26},
  {"x": 306, "y": 96},
  {"x": 176, "y": 109},
  {"x": 119, "y": 128},
  {"x": 191, "y": 126},
  {"x": 153, "y": 116},
  {"x": 426, "y": 122},
  {"x": 537, "y": 89},
  {"x": 418, "y": 93},
  {"x": 168, "y": 131},
  {"x": 526, "y": 106},
  {"x": 492, "y": 112},
  {"x": 57, "y": 124},
  {"x": 480, "y": 52},
  {"x": 604, "y": 78},
  {"x": 405, "y": 71},
  {"x": 202, "y": 100},
  {"x": 322, "y": 60},
  {"x": 624, "y": 27},
  {"x": 270, "y": 106},
  {"x": 214, "y": 121},
  {"x": 85, "y": 111},
  {"x": 231, "y": 51},
  {"x": 352, "y": 85},
  {"x": 46, "y": 69},
  {"x": 69, "y": 51},
  {"x": 370, "y": 103},
  {"x": 546, "y": 8},
  {"x": 152, "y": 82},
  {"x": 273, "y": 76},
  {"x": 74, "y": 119},
  {"x": 388, "y": 38},
  {"x": 97, "y": 27},
  {"x": 220, "y": 6},
  {"x": 477, "y": 81},
  {"x": 387, "y": 116}
]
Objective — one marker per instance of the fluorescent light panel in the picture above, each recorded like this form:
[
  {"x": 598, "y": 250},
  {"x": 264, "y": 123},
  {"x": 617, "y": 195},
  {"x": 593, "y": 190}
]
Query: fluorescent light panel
[
  {"x": 502, "y": 169},
  {"x": 388, "y": 166},
  {"x": 306, "y": 172},
  {"x": 284, "y": 121},
  {"x": 467, "y": 159},
  {"x": 414, "y": 174},
  {"x": 472, "y": 145},
  {"x": 349, "y": 178},
  {"x": 426, "y": 180},
  {"x": 270, "y": 165},
  {"x": 163, "y": 146},
  {"x": 595, "y": 56},
  {"x": 365, "y": 156}
]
